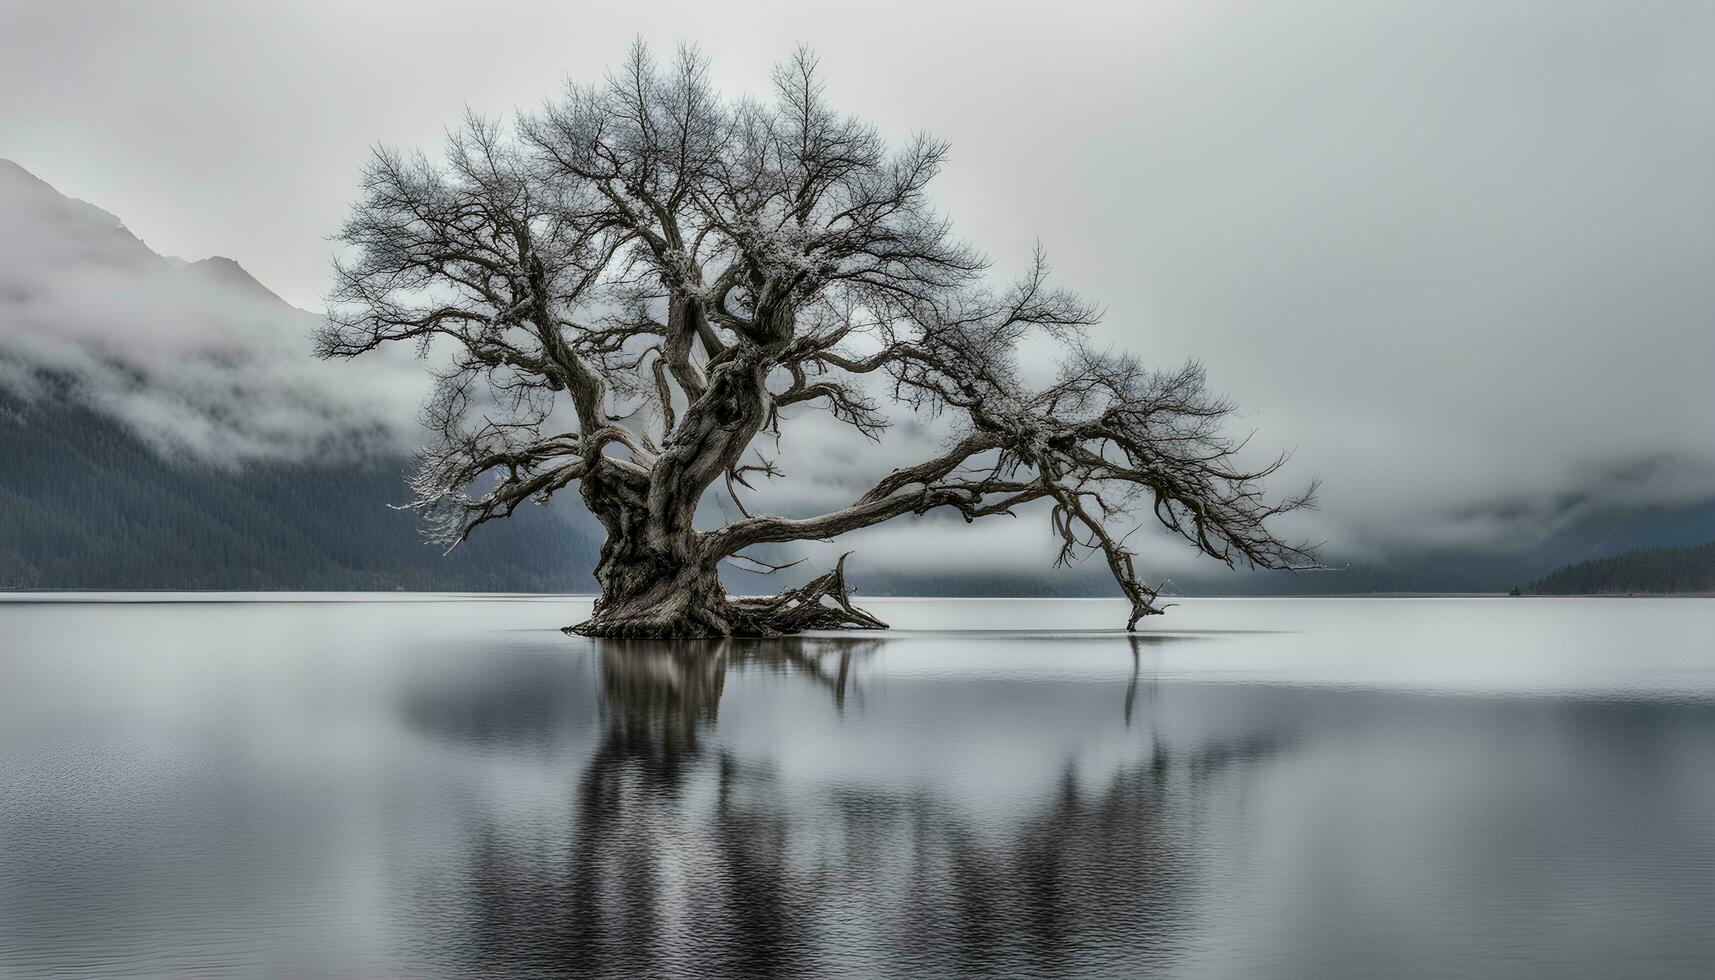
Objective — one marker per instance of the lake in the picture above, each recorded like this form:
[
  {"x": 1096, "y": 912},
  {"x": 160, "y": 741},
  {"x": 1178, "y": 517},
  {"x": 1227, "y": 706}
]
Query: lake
[{"x": 448, "y": 786}]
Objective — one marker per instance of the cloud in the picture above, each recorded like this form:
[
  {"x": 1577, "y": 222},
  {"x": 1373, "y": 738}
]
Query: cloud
[{"x": 1455, "y": 254}]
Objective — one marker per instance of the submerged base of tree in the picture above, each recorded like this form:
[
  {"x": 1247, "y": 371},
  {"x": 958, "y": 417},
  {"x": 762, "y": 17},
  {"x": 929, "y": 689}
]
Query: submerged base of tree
[
  {"x": 697, "y": 610},
  {"x": 692, "y": 612}
]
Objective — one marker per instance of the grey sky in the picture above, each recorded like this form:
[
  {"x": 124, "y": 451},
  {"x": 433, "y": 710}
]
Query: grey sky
[{"x": 1458, "y": 253}]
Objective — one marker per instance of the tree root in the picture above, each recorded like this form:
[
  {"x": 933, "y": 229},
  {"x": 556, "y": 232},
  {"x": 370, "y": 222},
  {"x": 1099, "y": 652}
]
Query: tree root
[
  {"x": 823, "y": 603},
  {"x": 806, "y": 608}
]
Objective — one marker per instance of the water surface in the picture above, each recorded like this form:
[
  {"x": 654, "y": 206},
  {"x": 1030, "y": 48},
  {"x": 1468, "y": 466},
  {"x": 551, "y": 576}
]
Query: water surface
[{"x": 443, "y": 786}]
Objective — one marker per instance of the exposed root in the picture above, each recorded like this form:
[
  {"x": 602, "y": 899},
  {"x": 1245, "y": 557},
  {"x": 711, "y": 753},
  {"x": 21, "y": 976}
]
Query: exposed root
[{"x": 821, "y": 604}]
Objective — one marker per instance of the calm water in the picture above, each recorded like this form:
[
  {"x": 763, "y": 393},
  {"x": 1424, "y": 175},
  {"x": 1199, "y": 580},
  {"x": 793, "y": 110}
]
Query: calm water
[{"x": 1298, "y": 788}]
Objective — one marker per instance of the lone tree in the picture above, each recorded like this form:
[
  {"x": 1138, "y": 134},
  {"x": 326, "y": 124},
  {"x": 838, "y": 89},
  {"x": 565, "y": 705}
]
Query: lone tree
[{"x": 642, "y": 278}]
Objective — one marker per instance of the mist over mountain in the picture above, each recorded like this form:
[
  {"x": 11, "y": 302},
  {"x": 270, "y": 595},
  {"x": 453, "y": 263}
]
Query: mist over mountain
[
  {"x": 163, "y": 425},
  {"x": 196, "y": 358}
]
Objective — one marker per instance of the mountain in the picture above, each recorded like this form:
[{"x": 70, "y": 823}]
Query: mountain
[
  {"x": 195, "y": 358},
  {"x": 220, "y": 269},
  {"x": 1663, "y": 571},
  {"x": 164, "y": 426}
]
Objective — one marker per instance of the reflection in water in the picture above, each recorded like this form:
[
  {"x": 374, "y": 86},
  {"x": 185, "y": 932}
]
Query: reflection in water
[
  {"x": 1138, "y": 645},
  {"x": 673, "y": 688},
  {"x": 1319, "y": 788},
  {"x": 688, "y": 857},
  {"x": 631, "y": 805}
]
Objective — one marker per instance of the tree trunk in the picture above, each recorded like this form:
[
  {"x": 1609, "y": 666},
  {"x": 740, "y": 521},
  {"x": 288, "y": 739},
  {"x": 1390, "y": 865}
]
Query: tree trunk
[
  {"x": 648, "y": 593},
  {"x": 654, "y": 582},
  {"x": 656, "y": 579},
  {"x": 672, "y": 593}
]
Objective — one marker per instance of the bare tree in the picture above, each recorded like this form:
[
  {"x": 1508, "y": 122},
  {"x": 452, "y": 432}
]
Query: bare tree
[{"x": 642, "y": 278}]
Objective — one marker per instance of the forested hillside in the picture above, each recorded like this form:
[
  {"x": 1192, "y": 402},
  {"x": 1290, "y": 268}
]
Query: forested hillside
[
  {"x": 1651, "y": 570},
  {"x": 85, "y": 504}
]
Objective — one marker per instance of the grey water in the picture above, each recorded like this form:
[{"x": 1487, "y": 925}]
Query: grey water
[{"x": 449, "y": 786}]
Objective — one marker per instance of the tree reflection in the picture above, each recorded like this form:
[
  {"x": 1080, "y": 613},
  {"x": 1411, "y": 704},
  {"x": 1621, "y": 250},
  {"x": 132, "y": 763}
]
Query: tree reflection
[
  {"x": 673, "y": 688},
  {"x": 685, "y": 858}
]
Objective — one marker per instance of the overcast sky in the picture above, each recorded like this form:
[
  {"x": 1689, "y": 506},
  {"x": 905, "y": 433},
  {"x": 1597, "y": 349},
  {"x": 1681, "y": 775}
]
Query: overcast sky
[{"x": 1459, "y": 254}]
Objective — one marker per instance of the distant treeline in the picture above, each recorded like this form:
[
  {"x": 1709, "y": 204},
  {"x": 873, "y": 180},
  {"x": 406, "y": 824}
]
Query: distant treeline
[{"x": 1658, "y": 570}]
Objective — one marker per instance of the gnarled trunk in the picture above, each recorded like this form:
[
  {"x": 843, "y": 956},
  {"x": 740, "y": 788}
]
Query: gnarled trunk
[
  {"x": 655, "y": 593},
  {"x": 674, "y": 593},
  {"x": 657, "y": 602},
  {"x": 657, "y": 579}
]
